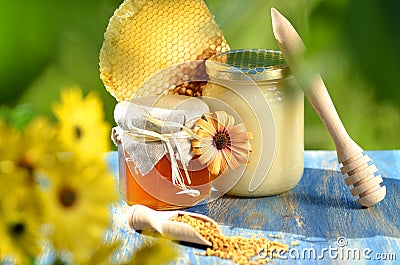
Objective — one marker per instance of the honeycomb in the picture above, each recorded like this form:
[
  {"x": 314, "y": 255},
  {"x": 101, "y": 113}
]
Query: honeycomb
[{"x": 158, "y": 46}]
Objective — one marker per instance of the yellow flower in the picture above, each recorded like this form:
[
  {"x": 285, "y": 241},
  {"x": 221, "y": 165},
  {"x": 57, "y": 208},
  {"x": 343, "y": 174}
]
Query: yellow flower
[
  {"x": 14, "y": 230},
  {"x": 76, "y": 200},
  {"x": 221, "y": 143},
  {"x": 22, "y": 154},
  {"x": 82, "y": 126},
  {"x": 9, "y": 142},
  {"x": 19, "y": 227},
  {"x": 38, "y": 139},
  {"x": 161, "y": 252}
]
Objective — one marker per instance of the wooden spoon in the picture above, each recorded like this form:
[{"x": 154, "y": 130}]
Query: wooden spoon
[
  {"x": 144, "y": 218},
  {"x": 362, "y": 173}
]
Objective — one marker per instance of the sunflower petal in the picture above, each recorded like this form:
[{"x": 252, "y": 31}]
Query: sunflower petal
[
  {"x": 242, "y": 145},
  {"x": 204, "y": 142},
  {"x": 222, "y": 119},
  {"x": 210, "y": 119},
  {"x": 240, "y": 153},
  {"x": 240, "y": 138},
  {"x": 224, "y": 165},
  {"x": 207, "y": 154},
  {"x": 216, "y": 164},
  {"x": 203, "y": 134},
  {"x": 238, "y": 129},
  {"x": 230, "y": 159},
  {"x": 207, "y": 141},
  {"x": 230, "y": 123},
  {"x": 206, "y": 126}
]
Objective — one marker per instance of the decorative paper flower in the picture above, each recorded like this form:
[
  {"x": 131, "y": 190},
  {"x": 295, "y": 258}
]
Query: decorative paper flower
[
  {"x": 221, "y": 143},
  {"x": 76, "y": 203},
  {"x": 82, "y": 126}
]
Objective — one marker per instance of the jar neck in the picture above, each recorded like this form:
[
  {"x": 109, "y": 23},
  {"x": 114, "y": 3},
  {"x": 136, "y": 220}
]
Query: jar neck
[{"x": 251, "y": 81}]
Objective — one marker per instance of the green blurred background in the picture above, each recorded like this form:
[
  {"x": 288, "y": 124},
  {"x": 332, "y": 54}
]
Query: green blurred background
[{"x": 46, "y": 45}]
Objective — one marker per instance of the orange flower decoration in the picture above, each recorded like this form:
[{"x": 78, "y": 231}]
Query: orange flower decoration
[{"x": 220, "y": 143}]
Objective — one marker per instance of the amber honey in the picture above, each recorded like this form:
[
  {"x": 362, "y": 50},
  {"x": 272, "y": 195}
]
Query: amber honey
[{"x": 156, "y": 190}]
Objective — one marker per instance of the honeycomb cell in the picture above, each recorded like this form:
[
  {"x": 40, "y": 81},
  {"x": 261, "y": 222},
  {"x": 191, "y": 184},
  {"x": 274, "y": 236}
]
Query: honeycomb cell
[{"x": 144, "y": 37}]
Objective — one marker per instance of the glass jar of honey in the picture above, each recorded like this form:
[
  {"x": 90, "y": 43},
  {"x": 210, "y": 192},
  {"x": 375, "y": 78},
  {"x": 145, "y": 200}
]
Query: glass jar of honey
[
  {"x": 151, "y": 164},
  {"x": 156, "y": 189},
  {"x": 258, "y": 85}
]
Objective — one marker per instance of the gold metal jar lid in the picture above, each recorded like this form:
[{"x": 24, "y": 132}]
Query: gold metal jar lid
[{"x": 258, "y": 64}]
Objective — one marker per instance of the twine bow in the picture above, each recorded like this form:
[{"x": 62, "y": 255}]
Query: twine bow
[{"x": 144, "y": 135}]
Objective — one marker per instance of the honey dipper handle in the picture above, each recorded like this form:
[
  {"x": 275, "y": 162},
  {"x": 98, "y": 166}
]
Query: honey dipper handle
[
  {"x": 293, "y": 49},
  {"x": 319, "y": 98}
]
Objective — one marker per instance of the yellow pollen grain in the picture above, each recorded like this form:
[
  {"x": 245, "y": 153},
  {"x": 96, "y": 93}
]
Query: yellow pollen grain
[{"x": 241, "y": 250}]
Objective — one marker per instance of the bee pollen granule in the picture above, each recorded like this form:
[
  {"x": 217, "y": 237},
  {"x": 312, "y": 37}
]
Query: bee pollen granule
[{"x": 239, "y": 249}]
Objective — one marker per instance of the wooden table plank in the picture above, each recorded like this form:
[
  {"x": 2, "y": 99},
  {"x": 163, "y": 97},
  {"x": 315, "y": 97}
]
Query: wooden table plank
[{"x": 318, "y": 211}]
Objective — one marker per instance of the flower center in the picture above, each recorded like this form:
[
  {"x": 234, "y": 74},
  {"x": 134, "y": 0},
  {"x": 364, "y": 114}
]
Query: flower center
[
  {"x": 58, "y": 261},
  {"x": 78, "y": 132},
  {"x": 221, "y": 140},
  {"x": 17, "y": 229},
  {"x": 67, "y": 197}
]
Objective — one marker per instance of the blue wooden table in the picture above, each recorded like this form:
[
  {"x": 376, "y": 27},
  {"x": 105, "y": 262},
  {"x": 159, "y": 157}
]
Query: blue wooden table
[{"x": 319, "y": 214}]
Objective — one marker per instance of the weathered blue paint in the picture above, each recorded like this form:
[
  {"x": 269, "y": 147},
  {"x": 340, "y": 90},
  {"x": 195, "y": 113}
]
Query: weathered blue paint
[{"x": 318, "y": 211}]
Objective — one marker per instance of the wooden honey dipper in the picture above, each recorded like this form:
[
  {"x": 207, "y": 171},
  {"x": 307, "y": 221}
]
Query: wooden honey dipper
[
  {"x": 143, "y": 218},
  {"x": 361, "y": 173}
]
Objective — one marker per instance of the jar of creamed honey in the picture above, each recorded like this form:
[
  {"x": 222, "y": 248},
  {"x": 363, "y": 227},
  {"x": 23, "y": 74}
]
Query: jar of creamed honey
[{"x": 259, "y": 86}]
